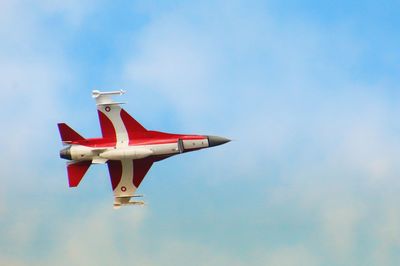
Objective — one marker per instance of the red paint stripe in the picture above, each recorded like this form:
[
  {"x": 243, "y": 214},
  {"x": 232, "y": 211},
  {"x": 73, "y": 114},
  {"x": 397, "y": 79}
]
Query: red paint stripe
[
  {"x": 68, "y": 134},
  {"x": 76, "y": 172},
  {"x": 134, "y": 128},
  {"x": 115, "y": 169},
  {"x": 140, "y": 169},
  {"x": 107, "y": 128},
  {"x": 151, "y": 141}
]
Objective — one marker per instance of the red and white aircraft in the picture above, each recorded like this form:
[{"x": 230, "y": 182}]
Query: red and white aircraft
[{"x": 127, "y": 147}]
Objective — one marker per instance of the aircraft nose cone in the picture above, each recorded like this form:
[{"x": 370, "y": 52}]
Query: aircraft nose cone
[
  {"x": 216, "y": 140},
  {"x": 66, "y": 153}
]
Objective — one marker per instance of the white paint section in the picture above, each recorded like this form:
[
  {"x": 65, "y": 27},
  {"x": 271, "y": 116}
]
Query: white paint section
[
  {"x": 130, "y": 152},
  {"x": 206, "y": 141},
  {"x": 125, "y": 187},
  {"x": 195, "y": 144},
  {"x": 163, "y": 149},
  {"x": 81, "y": 153},
  {"x": 113, "y": 112}
]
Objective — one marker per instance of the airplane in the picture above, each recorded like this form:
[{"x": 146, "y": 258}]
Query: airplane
[{"x": 128, "y": 149}]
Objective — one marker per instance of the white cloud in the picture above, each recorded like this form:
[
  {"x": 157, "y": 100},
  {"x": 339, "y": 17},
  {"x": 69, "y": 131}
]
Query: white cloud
[
  {"x": 180, "y": 252},
  {"x": 287, "y": 256},
  {"x": 339, "y": 225},
  {"x": 387, "y": 234},
  {"x": 101, "y": 236}
]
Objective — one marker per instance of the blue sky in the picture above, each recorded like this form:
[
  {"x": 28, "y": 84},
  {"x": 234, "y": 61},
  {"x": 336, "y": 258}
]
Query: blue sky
[{"x": 308, "y": 90}]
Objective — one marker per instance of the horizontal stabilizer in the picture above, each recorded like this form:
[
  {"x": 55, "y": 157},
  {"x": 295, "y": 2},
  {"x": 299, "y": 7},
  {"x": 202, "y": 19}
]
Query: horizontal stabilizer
[
  {"x": 68, "y": 134},
  {"x": 76, "y": 171}
]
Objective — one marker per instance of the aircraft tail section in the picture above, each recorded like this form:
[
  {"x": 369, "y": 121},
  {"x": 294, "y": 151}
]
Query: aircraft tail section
[
  {"x": 76, "y": 171},
  {"x": 68, "y": 134}
]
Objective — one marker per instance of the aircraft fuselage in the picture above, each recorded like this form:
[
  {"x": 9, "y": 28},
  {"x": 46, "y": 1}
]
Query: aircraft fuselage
[{"x": 161, "y": 146}]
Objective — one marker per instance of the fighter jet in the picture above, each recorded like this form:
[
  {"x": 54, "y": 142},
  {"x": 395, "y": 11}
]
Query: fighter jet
[{"x": 128, "y": 149}]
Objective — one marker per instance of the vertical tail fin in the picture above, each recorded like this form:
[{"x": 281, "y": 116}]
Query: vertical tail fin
[
  {"x": 68, "y": 134},
  {"x": 76, "y": 171}
]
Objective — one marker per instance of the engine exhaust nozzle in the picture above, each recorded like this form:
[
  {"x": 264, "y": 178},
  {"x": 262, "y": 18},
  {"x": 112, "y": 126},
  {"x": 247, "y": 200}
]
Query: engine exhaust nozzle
[{"x": 66, "y": 153}]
